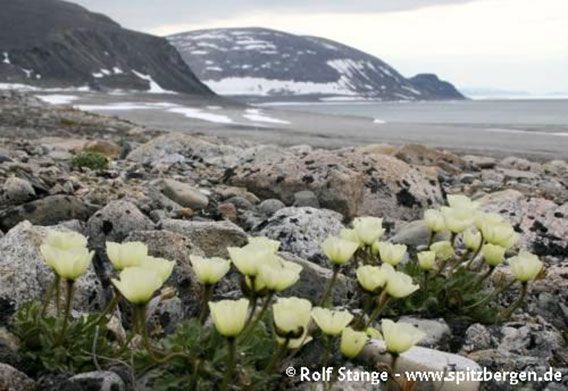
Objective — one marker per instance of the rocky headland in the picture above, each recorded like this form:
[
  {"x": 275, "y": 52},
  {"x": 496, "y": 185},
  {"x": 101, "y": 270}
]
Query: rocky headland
[{"x": 197, "y": 194}]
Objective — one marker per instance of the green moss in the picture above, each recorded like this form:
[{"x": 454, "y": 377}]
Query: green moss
[{"x": 92, "y": 160}]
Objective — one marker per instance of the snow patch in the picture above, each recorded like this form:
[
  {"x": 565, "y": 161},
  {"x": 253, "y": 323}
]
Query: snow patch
[
  {"x": 57, "y": 99},
  {"x": 6, "y": 59},
  {"x": 270, "y": 87},
  {"x": 256, "y": 115},
  {"x": 154, "y": 87},
  {"x": 379, "y": 121},
  {"x": 190, "y": 112}
]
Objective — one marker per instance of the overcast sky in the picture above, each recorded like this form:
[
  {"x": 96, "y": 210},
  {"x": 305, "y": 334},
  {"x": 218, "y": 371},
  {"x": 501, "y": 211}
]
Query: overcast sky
[{"x": 500, "y": 44}]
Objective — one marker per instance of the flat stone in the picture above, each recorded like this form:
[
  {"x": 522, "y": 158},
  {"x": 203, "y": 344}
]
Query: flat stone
[
  {"x": 423, "y": 359},
  {"x": 13, "y": 380},
  {"x": 313, "y": 282},
  {"x": 115, "y": 222},
  {"x": 306, "y": 198},
  {"x": 212, "y": 237},
  {"x": 270, "y": 206},
  {"x": 184, "y": 194},
  {"x": 16, "y": 191},
  {"x": 437, "y": 332},
  {"x": 302, "y": 230},
  {"x": 96, "y": 380},
  {"x": 46, "y": 211}
]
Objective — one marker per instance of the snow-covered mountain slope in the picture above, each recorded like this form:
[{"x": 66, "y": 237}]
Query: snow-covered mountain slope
[
  {"x": 263, "y": 62},
  {"x": 53, "y": 43}
]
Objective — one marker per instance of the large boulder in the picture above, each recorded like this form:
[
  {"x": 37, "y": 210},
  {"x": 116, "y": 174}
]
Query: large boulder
[
  {"x": 46, "y": 211},
  {"x": 542, "y": 223},
  {"x": 212, "y": 237},
  {"x": 115, "y": 221},
  {"x": 24, "y": 276},
  {"x": 349, "y": 181},
  {"x": 302, "y": 230},
  {"x": 13, "y": 380}
]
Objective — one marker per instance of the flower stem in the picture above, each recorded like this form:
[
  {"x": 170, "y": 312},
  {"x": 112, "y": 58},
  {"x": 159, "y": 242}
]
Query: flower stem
[
  {"x": 278, "y": 353},
  {"x": 48, "y": 295},
  {"x": 248, "y": 329},
  {"x": 254, "y": 302},
  {"x": 509, "y": 311},
  {"x": 208, "y": 290},
  {"x": 490, "y": 296},
  {"x": 383, "y": 301},
  {"x": 484, "y": 276},
  {"x": 231, "y": 350},
  {"x": 326, "y": 296},
  {"x": 57, "y": 293},
  {"x": 475, "y": 254},
  {"x": 68, "y": 302},
  {"x": 431, "y": 239}
]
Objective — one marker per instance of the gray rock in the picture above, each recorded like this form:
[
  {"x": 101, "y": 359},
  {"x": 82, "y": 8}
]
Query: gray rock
[
  {"x": 518, "y": 164},
  {"x": 480, "y": 162},
  {"x": 24, "y": 276},
  {"x": 270, "y": 206},
  {"x": 240, "y": 202},
  {"x": 184, "y": 194},
  {"x": 477, "y": 337},
  {"x": 9, "y": 347},
  {"x": 46, "y": 211},
  {"x": 16, "y": 191},
  {"x": 164, "y": 315},
  {"x": 115, "y": 221},
  {"x": 306, "y": 198},
  {"x": 416, "y": 233},
  {"x": 437, "y": 332},
  {"x": 314, "y": 280},
  {"x": 96, "y": 380},
  {"x": 13, "y": 380},
  {"x": 212, "y": 237},
  {"x": 302, "y": 230},
  {"x": 423, "y": 359}
]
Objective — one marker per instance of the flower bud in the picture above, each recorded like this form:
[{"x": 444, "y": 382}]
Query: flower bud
[
  {"x": 264, "y": 243},
  {"x": 457, "y": 220},
  {"x": 472, "y": 239},
  {"x": 277, "y": 275},
  {"x": 400, "y": 337},
  {"x": 291, "y": 316},
  {"x": 400, "y": 285},
  {"x": 500, "y": 234},
  {"x": 493, "y": 254},
  {"x": 352, "y": 342},
  {"x": 434, "y": 220},
  {"x": 525, "y": 266},
  {"x": 443, "y": 249},
  {"x": 248, "y": 259},
  {"x": 209, "y": 270},
  {"x": 229, "y": 316},
  {"x": 369, "y": 229},
  {"x": 391, "y": 253},
  {"x": 371, "y": 278},
  {"x": 331, "y": 322},
  {"x": 123, "y": 255},
  {"x": 351, "y": 235},
  {"x": 162, "y": 267},
  {"x": 373, "y": 333},
  {"x": 427, "y": 259},
  {"x": 66, "y": 254},
  {"x": 137, "y": 284},
  {"x": 339, "y": 251}
]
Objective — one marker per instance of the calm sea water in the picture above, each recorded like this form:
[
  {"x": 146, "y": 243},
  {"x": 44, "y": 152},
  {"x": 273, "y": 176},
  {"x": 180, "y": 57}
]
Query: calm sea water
[{"x": 525, "y": 114}]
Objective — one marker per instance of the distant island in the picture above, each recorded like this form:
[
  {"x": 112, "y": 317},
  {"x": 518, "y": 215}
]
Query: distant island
[{"x": 259, "y": 62}]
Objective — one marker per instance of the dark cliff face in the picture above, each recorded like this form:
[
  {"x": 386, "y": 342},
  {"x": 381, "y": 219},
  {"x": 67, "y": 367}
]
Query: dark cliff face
[
  {"x": 56, "y": 43},
  {"x": 432, "y": 86},
  {"x": 257, "y": 61}
]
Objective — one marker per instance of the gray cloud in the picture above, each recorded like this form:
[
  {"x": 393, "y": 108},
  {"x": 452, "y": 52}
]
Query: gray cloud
[{"x": 149, "y": 14}]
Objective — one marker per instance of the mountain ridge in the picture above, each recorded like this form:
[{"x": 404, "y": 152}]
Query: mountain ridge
[
  {"x": 264, "y": 62},
  {"x": 58, "y": 43}
]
